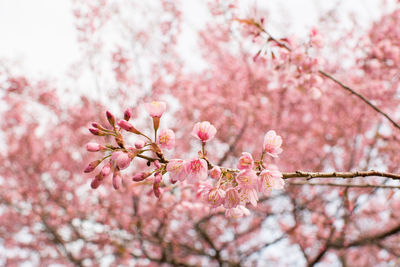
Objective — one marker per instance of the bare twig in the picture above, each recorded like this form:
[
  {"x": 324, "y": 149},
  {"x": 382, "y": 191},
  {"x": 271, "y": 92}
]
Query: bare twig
[
  {"x": 311, "y": 175},
  {"x": 347, "y": 185},
  {"x": 325, "y": 74}
]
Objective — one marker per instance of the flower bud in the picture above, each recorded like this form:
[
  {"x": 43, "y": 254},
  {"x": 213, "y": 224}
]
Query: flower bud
[
  {"x": 110, "y": 118},
  {"x": 123, "y": 161},
  {"x": 93, "y": 147},
  {"x": 95, "y": 183},
  {"x": 127, "y": 114},
  {"x": 91, "y": 166},
  {"x": 157, "y": 190},
  {"x": 204, "y": 131},
  {"x": 106, "y": 170},
  {"x": 140, "y": 176},
  {"x": 116, "y": 180},
  {"x": 139, "y": 144},
  {"x": 127, "y": 126},
  {"x": 96, "y": 132},
  {"x": 157, "y": 164}
]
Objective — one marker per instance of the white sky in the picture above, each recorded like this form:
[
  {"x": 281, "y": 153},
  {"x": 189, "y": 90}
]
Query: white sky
[{"x": 40, "y": 34}]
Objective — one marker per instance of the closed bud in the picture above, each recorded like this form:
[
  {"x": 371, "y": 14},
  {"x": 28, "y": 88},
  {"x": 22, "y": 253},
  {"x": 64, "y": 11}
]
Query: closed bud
[
  {"x": 96, "y": 125},
  {"x": 92, "y": 165},
  {"x": 123, "y": 161},
  {"x": 95, "y": 183},
  {"x": 157, "y": 164},
  {"x": 116, "y": 180},
  {"x": 139, "y": 144},
  {"x": 127, "y": 114},
  {"x": 127, "y": 126},
  {"x": 157, "y": 190},
  {"x": 95, "y": 131},
  {"x": 106, "y": 170},
  {"x": 140, "y": 176},
  {"x": 110, "y": 118},
  {"x": 93, "y": 147}
]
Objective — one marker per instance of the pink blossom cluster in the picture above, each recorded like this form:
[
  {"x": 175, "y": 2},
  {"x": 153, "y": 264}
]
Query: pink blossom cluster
[{"x": 229, "y": 189}]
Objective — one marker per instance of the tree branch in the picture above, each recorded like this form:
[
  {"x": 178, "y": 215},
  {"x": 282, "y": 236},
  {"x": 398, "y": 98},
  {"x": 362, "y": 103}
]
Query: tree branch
[
  {"x": 347, "y": 185},
  {"x": 311, "y": 175}
]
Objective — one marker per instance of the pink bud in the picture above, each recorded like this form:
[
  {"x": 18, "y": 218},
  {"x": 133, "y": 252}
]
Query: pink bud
[
  {"x": 106, "y": 170},
  {"x": 96, "y": 125},
  {"x": 95, "y": 183},
  {"x": 139, "y": 144},
  {"x": 93, "y": 147},
  {"x": 96, "y": 132},
  {"x": 157, "y": 164},
  {"x": 215, "y": 172},
  {"x": 127, "y": 114},
  {"x": 91, "y": 166},
  {"x": 140, "y": 176},
  {"x": 127, "y": 126},
  {"x": 204, "y": 131},
  {"x": 157, "y": 190},
  {"x": 123, "y": 161},
  {"x": 116, "y": 180},
  {"x": 155, "y": 108},
  {"x": 110, "y": 118},
  {"x": 157, "y": 178}
]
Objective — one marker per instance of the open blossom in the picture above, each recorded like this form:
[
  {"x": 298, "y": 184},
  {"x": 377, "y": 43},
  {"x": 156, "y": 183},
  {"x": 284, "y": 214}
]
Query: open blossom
[
  {"x": 166, "y": 139},
  {"x": 196, "y": 170},
  {"x": 246, "y": 161},
  {"x": 247, "y": 179},
  {"x": 272, "y": 144},
  {"x": 248, "y": 195},
  {"x": 177, "y": 170},
  {"x": 215, "y": 172},
  {"x": 214, "y": 197},
  {"x": 237, "y": 212},
  {"x": 204, "y": 131},
  {"x": 270, "y": 179},
  {"x": 232, "y": 198},
  {"x": 155, "y": 108}
]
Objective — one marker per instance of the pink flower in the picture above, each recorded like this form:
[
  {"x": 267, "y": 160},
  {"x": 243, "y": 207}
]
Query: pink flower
[
  {"x": 249, "y": 195},
  {"x": 247, "y": 179},
  {"x": 270, "y": 179},
  {"x": 196, "y": 170},
  {"x": 272, "y": 143},
  {"x": 237, "y": 212},
  {"x": 231, "y": 198},
  {"x": 214, "y": 197},
  {"x": 204, "y": 131},
  {"x": 166, "y": 139},
  {"x": 245, "y": 162},
  {"x": 215, "y": 172},
  {"x": 177, "y": 170},
  {"x": 155, "y": 108}
]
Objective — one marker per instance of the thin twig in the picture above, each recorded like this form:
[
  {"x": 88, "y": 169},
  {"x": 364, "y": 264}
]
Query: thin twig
[
  {"x": 329, "y": 76},
  {"x": 347, "y": 185},
  {"x": 311, "y": 175}
]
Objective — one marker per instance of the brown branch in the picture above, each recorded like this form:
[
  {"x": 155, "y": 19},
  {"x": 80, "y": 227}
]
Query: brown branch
[
  {"x": 326, "y": 75},
  {"x": 352, "y": 91},
  {"x": 347, "y": 185},
  {"x": 311, "y": 175}
]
